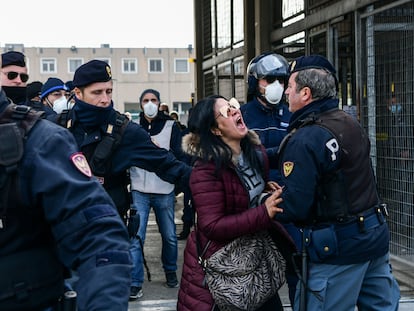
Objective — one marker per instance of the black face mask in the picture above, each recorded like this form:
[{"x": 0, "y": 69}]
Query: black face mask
[
  {"x": 92, "y": 116},
  {"x": 16, "y": 93}
]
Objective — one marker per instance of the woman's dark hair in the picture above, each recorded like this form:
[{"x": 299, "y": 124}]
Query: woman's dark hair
[{"x": 202, "y": 120}]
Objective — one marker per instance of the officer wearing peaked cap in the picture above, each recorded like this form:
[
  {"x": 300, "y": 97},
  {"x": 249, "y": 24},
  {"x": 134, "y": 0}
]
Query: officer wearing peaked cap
[
  {"x": 110, "y": 142},
  {"x": 55, "y": 216},
  {"x": 330, "y": 191}
]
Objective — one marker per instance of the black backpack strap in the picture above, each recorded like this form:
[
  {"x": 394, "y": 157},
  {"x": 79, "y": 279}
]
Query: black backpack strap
[
  {"x": 111, "y": 140},
  {"x": 15, "y": 123}
]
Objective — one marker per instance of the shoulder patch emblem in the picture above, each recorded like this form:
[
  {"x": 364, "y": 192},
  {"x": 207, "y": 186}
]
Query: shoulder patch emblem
[
  {"x": 80, "y": 162},
  {"x": 287, "y": 168}
]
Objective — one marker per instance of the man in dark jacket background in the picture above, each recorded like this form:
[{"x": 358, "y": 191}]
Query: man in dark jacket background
[{"x": 110, "y": 142}]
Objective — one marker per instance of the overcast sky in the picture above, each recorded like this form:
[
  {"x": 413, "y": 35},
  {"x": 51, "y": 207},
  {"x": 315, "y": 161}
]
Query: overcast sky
[{"x": 90, "y": 23}]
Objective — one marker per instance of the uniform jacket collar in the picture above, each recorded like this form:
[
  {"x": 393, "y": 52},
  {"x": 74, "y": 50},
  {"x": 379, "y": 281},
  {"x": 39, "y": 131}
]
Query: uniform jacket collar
[{"x": 314, "y": 108}]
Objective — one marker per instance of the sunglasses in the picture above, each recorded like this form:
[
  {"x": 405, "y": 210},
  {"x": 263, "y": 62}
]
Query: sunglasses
[
  {"x": 225, "y": 111},
  {"x": 11, "y": 75}
]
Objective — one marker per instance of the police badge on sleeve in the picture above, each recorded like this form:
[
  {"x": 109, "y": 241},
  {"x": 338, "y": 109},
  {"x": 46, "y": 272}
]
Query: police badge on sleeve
[
  {"x": 80, "y": 162},
  {"x": 288, "y": 168}
]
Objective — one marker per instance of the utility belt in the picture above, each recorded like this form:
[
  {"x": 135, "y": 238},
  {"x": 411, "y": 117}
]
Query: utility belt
[
  {"x": 321, "y": 241},
  {"x": 367, "y": 220}
]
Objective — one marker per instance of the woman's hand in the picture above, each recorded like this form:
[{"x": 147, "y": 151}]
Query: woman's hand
[
  {"x": 271, "y": 186},
  {"x": 272, "y": 202}
]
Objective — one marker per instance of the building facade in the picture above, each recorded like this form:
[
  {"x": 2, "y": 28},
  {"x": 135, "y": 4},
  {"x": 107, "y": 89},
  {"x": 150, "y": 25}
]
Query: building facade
[{"x": 168, "y": 70}]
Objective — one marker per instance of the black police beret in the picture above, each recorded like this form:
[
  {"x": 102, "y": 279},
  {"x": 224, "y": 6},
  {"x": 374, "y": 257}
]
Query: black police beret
[
  {"x": 52, "y": 84},
  {"x": 13, "y": 58},
  {"x": 92, "y": 72},
  {"x": 34, "y": 89},
  {"x": 311, "y": 61}
]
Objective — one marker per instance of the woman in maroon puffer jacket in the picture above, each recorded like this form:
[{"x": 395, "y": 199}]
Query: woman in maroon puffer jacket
[{"x": 226, "y": 182}]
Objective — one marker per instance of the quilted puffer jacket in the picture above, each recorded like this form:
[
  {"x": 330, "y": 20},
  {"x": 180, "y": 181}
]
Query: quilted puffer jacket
[{"x": 223, "y": 214}]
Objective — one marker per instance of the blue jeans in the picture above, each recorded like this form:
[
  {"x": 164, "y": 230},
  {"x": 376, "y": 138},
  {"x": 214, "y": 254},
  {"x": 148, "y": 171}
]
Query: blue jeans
[
  {"x": 369, "y": 285},
  {"x": 163, "y": 205}
]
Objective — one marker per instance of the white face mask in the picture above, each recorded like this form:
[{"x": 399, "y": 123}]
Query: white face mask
[
  {"x": 150, "y": 109},
  {"x": 274, "y": 92},
  {"x": 60, "y": 104}
]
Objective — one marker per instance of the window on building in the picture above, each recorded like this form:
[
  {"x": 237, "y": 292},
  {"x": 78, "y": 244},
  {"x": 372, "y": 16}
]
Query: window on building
[
  {"x": 104, "y": 59},
  {"x": 181, "y": 65},
  {"x": 155, "y": 65},
  {"x": 48, "y": 65},
  {"x": 129, "y": 65},
  {"x": 74, "y": 63}
]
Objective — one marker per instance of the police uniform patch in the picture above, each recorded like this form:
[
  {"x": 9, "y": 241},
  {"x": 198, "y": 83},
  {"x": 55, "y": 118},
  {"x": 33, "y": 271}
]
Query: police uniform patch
[
  {"x": 79, "y": 160},
  {"x": 287, "y": 168}
]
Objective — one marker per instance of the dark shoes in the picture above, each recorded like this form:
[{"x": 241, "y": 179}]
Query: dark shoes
[
  {"x": 172, "y": 281},
  {"x": 136, "y": 292}
]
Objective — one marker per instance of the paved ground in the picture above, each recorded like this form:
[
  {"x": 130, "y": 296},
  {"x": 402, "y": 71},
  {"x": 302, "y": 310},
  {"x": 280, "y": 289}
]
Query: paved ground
[{"x": 159, "y": 298}]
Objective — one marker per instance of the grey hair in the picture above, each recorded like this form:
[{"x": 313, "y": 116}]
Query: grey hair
[{"x": 321, "y": 83}]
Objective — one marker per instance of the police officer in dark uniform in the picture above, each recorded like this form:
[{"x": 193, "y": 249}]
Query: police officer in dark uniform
[
  {"x": 267, "y": 113},
  {"x": 110, "y": 142},
  {"x": 14, "y": 76},
  {"x": 55, "y": 217},
  {"x": 330, "y": 191}
]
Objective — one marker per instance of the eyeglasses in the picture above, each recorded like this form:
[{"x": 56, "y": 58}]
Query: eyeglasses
[
  {"x": 11, "y": 75},
  {"x": 225, "y": 111}
]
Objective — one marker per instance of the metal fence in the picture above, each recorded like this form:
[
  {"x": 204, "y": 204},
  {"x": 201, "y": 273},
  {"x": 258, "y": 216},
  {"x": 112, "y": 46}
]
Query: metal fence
[{"x": 387, "y": 106}]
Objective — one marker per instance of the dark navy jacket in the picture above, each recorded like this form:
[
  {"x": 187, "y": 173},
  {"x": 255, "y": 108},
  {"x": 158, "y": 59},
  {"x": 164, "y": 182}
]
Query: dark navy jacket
[
  {"x": 135, "y": 149},
  {"x": 271, "y": 125},
  {"x": 79, "y": 218},
  {"x": 311, "y": 153}
]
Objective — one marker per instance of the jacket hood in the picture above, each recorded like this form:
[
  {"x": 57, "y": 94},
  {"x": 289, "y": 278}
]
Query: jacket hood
[{"x": 191, "y": 143}]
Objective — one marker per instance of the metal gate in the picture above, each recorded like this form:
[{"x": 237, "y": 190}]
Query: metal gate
[{"x": 386, "y": 111}]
